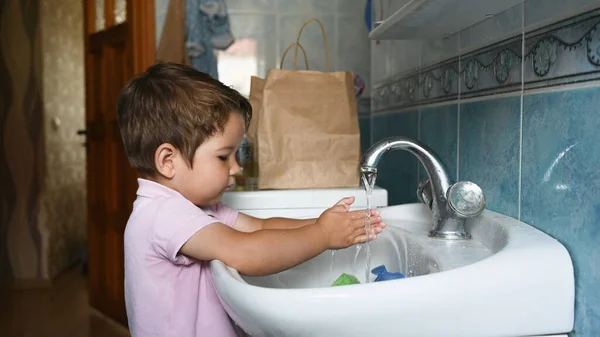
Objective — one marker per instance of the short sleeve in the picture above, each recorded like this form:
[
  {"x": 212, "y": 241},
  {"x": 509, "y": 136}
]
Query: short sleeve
[
  {"x": 223, "y": 213},
  {"x": 176, "y": 221}
]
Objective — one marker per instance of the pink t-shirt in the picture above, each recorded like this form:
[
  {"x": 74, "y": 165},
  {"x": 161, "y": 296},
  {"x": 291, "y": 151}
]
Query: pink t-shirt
[{"x": 168, "y": 294}]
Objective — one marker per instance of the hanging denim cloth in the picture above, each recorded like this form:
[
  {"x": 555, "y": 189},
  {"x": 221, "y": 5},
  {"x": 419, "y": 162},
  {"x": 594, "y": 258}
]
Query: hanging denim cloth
[{"x": 207, "y": 26}]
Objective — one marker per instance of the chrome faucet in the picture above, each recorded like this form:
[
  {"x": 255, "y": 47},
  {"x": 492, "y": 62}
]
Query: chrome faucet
[{"x": 450, "y": 203}]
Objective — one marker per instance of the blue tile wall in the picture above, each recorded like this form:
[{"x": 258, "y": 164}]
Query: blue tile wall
[
  {"x": 536, "y": 155},
  {"x": 398, "y": 169},
  {"x": 561, "y": 186},
  {"x": 436, "y": 131},
  {"x": 364, "y": 123},
  {"x": 489, "y": 150}
]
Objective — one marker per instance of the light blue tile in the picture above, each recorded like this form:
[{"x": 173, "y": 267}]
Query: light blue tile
[
  {"x": 258, "y": 6},
  {"x": 561, "y": 186},
  {"x": 364, "y": 124},
  {"x": 501, "y": 26},
  {"x": 439, "y": 50},
  {"x": 354, "y": 7},
  {"x": 391, "y": 58},
  {"x": 398, "y": 169},
  {"x": 404, "y": 56},
  {"x": 439, "y": 131},
  {"x": 489, "y": 150},
  {"x": 307, "y": 6},
  {"x": 543, "y": 12},
  {"x": 311, "y": 40},
  {"x": 353, "y": 48},
  {"x": 379, "y": 54}
]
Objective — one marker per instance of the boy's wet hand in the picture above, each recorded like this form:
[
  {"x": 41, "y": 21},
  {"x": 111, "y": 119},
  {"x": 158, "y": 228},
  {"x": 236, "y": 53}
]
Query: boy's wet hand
[
  {"x": 343, "y": 228},
  {"x": 346, "y": 203}
]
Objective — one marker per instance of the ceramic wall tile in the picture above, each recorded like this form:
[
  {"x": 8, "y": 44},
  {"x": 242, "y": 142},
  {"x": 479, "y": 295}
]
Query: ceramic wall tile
[
  {"x": 306, "y": 6},
  {"x": 404, "y": 57},
  {"x": 438, "y": 129},
  {"x": 565, "y": 52},
  {"x": 364, "y": 124},
  {"x": 257, "y": 6},
  {"x": 352, "y": 50},
  {"x": 561, "y": 186},
  {"x": 434, "y": 51},
  {"x": 411, "y": 83},
  {"x": 380, "y": 70},
  {"x": 440, "y": 82},
  {"x": 501, "y": 26},
  {"x": 489, "y": 150},
  {"x": 492, "y": 70},
  {"x": 352, "y": 7},
  {"x": 557, "y": 165},
  {"x": 539, "y": 13},
  {"x": 438, "y": 78},
  {"x": 398, "y": 170}
]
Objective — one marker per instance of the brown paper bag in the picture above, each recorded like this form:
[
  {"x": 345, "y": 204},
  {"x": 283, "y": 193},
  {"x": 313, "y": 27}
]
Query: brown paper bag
[
  {"x": 308, "y": 135},
  {"x": 257, "y": 86}
]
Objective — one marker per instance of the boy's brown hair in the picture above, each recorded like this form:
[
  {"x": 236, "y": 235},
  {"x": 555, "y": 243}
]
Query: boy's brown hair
[{"x": 176, "y": 104}]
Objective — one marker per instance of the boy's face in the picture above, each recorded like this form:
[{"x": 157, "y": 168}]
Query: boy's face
[{"x": 214, "y": 165}]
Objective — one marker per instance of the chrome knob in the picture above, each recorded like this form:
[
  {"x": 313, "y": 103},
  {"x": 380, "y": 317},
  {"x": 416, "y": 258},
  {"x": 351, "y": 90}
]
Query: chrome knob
[{"x": 466, "y": 199}]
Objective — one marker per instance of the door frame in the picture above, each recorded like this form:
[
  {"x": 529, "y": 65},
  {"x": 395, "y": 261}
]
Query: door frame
[{"x": 137, "y": 36}]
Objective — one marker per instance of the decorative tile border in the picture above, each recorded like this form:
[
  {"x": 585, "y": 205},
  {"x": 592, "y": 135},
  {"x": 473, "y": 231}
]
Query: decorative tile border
[
  {"x": 564, "y": 52},
  {"x": 492, "y": 70},
  {"x": 437, "y": 83},
  {"x": 560, "y": 53}
]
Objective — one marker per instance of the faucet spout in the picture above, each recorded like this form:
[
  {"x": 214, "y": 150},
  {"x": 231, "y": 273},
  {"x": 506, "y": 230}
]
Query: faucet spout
[{"x": 448, "y": 220}]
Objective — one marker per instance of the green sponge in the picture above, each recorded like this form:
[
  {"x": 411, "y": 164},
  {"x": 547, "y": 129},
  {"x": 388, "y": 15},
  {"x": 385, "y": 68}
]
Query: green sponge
[{"x": 345, "y": 279}]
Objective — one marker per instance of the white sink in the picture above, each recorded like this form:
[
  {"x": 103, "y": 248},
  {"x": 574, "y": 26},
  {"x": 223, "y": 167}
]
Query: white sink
[{"x": 509, "y": 280}]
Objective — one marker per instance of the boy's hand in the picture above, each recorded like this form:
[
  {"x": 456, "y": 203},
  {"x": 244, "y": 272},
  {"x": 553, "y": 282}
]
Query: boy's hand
[
  {"x": 343, "y": 228},
  {"x": 346, "y": 202}
]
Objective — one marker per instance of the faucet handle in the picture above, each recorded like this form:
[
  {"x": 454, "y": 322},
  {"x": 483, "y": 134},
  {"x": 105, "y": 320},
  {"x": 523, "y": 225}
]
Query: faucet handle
[
  {"x": 424, "y": 193},
  {"x": 466, "y": 199}
]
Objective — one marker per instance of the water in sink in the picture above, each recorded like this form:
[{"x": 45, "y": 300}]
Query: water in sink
[{"x": 395, "y": 248}]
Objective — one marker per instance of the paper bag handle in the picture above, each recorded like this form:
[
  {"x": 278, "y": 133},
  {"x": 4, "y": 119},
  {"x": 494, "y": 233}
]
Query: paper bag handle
[
  {"x": 327, "y": 67},
  {"x": 288, "y": 49}
]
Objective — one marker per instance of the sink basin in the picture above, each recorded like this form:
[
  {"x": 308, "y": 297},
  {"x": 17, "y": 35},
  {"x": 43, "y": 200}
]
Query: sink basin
[
  {"x": 397, "y": 249},
  {"x": 509, "y": 280}
]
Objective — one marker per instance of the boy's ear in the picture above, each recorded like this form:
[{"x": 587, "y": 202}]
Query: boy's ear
[{"x": 164, "y": 160}]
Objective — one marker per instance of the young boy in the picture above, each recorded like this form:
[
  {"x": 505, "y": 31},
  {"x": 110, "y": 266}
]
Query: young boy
[{"x": 181, "y": 129}]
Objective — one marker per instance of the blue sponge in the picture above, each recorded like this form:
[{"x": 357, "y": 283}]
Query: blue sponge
[{"x": 384, "y": 275}]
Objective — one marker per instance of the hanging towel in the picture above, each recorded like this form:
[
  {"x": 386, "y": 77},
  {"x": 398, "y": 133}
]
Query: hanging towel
[{"x": 207, "y": 26}]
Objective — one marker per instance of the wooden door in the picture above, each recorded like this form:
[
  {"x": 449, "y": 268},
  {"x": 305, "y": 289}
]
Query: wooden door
[{"x": 113, "y": 55}]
